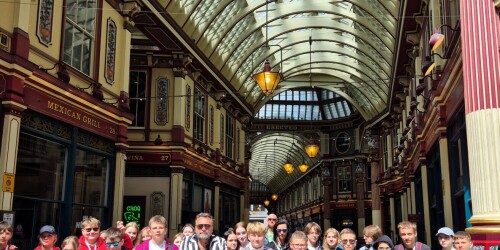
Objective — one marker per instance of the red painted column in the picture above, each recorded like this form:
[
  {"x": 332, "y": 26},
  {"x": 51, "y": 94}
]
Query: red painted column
[{"x": 480, "y": 34}]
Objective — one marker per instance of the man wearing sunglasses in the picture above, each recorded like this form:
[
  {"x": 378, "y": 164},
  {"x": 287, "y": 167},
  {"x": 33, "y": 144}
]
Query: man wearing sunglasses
[
  {"x": 203, "y": 239},
  {"x": 271, "y": 221},
  {"x": 281, "y": 236},
  {"x": 348, "y": 239}
]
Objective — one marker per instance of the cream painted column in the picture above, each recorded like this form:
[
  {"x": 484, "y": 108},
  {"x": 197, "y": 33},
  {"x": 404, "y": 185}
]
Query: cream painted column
[
  {"x": 393, "y": 215},
  {"x": 119, "y": 183},
  {"x": 425, "y": 196},
  {"x": 216, "y": 204},
  {"x": 412, "y": 198},
  {"x": 245, "y": 210},
  {"x": 8, "y": 156},
  {"x": 176, "y": 178},
  {"x": 12, "y": 105},
  {"x": 376, "y": 213},
  {"x": 445, "y": 181},
  {"x": 360, "y": 200},
  {"x": 480, "y": 36},
  {"x": 404, "y": 206}
]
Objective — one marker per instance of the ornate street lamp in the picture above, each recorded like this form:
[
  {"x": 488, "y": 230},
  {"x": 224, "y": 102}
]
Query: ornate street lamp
[{"x": 268, "y": 80}]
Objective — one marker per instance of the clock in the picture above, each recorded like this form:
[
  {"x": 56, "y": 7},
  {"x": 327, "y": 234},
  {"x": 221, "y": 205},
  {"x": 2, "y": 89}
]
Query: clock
[{"x": 343, "y": 142}]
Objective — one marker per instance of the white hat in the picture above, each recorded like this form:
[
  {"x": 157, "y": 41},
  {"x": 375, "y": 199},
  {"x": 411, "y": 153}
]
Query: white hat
[{"x": 445, "y": 231}]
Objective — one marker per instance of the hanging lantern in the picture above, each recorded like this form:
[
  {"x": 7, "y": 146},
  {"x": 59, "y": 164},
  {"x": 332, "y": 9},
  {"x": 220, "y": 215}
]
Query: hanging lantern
[
  {"x": 312, "y": 149},
  {"x": 303, "y": 167},
  {"x": 266, "y": 202},
  {"x": 268, "y": 80},
  {"x": 288, "y": 167},
  {"x": 274, "y": 197}
]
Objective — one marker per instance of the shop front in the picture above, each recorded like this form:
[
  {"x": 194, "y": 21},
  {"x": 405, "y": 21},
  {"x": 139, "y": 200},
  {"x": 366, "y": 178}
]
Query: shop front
[{"x": 65, "y": 168}]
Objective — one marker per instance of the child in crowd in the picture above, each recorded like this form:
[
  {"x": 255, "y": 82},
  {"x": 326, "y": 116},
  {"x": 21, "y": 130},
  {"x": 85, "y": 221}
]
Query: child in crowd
[
  {"x": 132, "y": 230},
  {"x": 188, "y": 230},
  {"x": 47, "y": 238},
  {"x": 70, "y": 243},
  {"x": 144, "y": 235},
  {"x": 6, "y": 231},
  {"x": 158, "y": 230},
  {"x": 178, "y": 239},
  {"x": 256, "y": 233},
  {"x": 114, "y": 239}
]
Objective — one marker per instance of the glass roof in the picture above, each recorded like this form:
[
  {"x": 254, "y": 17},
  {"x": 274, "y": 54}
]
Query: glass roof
[
  {"x": 353, "y": 41},
  {"x": 352, "y": 49},
  {"x": 305, "y": 105},
  {"x": 271, "y": 151}
]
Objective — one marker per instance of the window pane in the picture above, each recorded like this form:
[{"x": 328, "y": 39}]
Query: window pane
[
  {"x": 89, "y": 181},
  {"x": 40, "y": 168}
]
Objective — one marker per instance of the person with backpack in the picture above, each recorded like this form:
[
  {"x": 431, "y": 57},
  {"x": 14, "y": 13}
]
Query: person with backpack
[{"x": 408, "y": 234}]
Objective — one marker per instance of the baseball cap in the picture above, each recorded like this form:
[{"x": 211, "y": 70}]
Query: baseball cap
[
  {"x": 48, "y": 229},
  {"x": 445, "y": 231}
]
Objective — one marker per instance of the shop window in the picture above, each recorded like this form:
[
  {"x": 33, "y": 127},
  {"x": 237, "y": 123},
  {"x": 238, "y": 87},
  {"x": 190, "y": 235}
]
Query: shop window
[
  {"x": 137, "y": 94},
  {"x": 186, "y": 194},
  {"x": 40, "y": 168},
  {"x": 199, "y": 115},
  {"x": 229, "y": 136},
  {"x": 89, "y": 181},
  {"x": 79, "y": 34}
]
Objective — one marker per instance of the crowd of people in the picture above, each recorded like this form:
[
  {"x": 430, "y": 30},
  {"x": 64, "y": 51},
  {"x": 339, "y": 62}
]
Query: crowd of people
[{"x": 276, "y": 235}]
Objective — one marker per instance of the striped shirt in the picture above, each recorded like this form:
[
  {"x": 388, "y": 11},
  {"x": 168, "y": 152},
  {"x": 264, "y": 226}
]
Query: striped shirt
[{"x": 191, "y": 243}]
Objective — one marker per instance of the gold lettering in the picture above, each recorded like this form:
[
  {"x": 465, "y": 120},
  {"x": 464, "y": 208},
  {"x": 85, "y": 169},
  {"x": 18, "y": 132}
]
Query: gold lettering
[
  {"x": 135, "y": 158},
  {"x": 63, "y": 110},
  {"x": 91, "y": 122}
]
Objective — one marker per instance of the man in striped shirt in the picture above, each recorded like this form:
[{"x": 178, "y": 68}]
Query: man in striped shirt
[{"x": 203, "y": 239}]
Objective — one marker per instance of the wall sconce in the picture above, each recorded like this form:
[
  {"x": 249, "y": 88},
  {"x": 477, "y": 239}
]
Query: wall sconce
[
  {"x": 428, "y": 65},
  {"x": 437, "y": 38},
  {"x": 62, "y": 72},
  {"x": 158, "y": 140}
]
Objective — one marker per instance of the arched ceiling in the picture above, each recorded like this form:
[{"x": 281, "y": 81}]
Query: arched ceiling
[
  {"x": 352, "y": 49},
  {"x": 271, "y": 151},
  {"x": 352, "y": 41}
]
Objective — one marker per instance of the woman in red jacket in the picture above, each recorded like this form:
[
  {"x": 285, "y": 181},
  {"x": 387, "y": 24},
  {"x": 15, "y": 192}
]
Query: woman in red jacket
[{"x": 47, "y": 238}]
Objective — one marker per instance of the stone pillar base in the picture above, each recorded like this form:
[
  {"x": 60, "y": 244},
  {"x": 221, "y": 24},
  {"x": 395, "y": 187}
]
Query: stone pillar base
[{"x": 485, "y": 236}]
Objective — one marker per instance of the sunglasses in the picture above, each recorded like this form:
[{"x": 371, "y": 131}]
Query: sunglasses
[
  {"x": 114, "y": 244},
  {"x": 282, "y": 231},
  {"x": 95, "y": 229},
  {"x": 352, "y": 242},
  {"x": 201, "y": 226}
]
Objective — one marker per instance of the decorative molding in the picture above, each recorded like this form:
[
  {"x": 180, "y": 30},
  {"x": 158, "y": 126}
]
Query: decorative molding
[
  {"x": 44, "y": 27},
  {"x": 161, "y": 109},
  {"x": 109, "y": 72},
  {"x": 157, "y": 201}
]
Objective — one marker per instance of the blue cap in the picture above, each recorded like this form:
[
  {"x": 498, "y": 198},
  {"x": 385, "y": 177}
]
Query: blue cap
[
  {"x": 48, "y": 229},
  {"x": 445, "y": 231}
]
